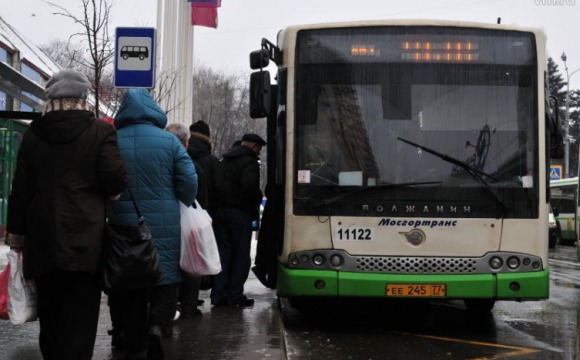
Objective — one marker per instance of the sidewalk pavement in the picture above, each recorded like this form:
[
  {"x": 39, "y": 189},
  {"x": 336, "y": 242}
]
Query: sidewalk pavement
[{"x": 219, "y": 333}]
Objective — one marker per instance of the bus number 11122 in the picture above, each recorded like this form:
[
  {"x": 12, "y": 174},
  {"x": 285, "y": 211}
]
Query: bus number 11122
[{"x": 355, "y": 234}]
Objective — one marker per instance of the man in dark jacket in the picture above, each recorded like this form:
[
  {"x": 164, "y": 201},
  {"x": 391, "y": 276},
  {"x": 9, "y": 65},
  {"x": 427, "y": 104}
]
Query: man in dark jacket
[
  {"x": 211, "y": 184},
  {"x": 68, "y": 167},
  {"x": 233, "y": 221},
  {"x": 200, "y": 149}
]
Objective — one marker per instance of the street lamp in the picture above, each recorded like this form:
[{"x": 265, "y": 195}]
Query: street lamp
[{"x": 567, "y": 117}]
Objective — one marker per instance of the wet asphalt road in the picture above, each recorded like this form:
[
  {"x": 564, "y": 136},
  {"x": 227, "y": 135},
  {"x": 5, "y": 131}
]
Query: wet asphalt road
[{"x": 363, "y": 330}]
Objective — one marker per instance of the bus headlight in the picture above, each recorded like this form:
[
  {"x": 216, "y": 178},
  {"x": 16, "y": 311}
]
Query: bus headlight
[
  {"x": 513, "y": 262},
  {"x": 336, "y": 260},
  {"x": 495, "y": 262},
  {"x": 318, "y": 259}
]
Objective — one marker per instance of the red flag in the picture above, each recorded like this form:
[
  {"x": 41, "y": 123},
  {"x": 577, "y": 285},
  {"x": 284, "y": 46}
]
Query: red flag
[{"x": 204, "y": 16}]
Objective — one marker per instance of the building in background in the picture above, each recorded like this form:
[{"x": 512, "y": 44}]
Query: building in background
[{"x": 24, "y": 70}]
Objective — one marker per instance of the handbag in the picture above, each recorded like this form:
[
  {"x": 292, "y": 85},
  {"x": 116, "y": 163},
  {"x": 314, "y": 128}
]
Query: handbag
[
  {"x": 22, "y": 293},
  {"x": 199, "y": 252},
  {"x": 130, "y": 258}
]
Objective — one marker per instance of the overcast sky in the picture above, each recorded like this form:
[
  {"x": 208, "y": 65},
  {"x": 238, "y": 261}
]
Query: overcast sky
[{"x": 243, "y": 23}]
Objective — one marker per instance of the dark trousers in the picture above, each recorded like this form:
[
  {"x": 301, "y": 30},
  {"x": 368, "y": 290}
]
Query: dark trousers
[
  {"x": 129, "y": 310},
  {"x": 233, "y": 232},
  {"x": 68, "y": 313},
  {"x": 189, "y": 294},
  {"x": 163, "y": 302}
]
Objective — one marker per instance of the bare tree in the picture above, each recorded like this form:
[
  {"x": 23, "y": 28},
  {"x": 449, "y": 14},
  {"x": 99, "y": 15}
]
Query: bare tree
[
  {"x": 221, "y": 100},
  {"x": 95, "y": 31},
  {"x": 66, "y": 54},
  {"x": 165, "y": 89}
]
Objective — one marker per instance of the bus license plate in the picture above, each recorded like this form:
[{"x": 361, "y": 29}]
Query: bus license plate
[{"x": 422, "y": 290}]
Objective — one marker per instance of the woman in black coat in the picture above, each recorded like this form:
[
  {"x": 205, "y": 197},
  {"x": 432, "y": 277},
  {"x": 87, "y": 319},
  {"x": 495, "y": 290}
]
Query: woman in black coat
[{"x": 68, "y": 167}]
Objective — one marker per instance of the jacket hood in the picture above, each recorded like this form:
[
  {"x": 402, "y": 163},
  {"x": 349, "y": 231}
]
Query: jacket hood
[
  {"x": 61, "y": 127},
  {"x": 238, "y": 151},
  {"x": 138, "y": 107}
]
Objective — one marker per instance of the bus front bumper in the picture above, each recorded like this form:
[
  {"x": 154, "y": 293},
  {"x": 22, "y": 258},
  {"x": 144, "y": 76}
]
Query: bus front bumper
[{"x": 515, "y": 286}]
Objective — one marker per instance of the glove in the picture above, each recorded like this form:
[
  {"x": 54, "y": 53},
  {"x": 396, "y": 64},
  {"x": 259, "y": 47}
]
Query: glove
[{"x": 16, "y": 242}]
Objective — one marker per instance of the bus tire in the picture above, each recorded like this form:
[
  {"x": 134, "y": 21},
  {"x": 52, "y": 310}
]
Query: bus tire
[
  {"x": 297, "y": 302},
  {"x": 479, "y": 306}
]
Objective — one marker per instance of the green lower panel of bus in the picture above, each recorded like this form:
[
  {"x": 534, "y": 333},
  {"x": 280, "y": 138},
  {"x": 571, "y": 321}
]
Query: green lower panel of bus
[
  {"x": 568, "y": 234},
  {"x": 530, "y": 285}
]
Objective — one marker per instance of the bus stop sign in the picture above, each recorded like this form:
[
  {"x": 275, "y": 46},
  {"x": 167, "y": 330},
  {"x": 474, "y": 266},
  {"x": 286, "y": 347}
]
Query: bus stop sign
[{"x": 134, "y": 57}]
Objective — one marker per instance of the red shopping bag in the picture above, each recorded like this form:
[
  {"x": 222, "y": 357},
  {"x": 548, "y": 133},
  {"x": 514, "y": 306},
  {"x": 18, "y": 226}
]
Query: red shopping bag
[{"x": 4, "y": 276}]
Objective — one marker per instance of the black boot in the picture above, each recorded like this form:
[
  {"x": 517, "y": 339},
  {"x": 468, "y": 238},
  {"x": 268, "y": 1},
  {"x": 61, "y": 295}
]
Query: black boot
[
  {"x": 117, "y": 338},
  {"x": 155, "y": 347}
]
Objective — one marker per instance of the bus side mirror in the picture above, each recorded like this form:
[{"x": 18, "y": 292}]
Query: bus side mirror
[
  {"x": 555, "y": 211},
  {"x": 557, "y": 142},
  {"x": 556, "y": 138},
  {"x": 260, "y": 90},
  {"x": 259, "y": 59}
]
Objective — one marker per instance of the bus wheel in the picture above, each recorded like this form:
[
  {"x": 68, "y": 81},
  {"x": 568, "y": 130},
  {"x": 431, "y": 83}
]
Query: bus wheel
[
  {"x": 298, "y": 303},
  {"x": 479, "y": 306}
]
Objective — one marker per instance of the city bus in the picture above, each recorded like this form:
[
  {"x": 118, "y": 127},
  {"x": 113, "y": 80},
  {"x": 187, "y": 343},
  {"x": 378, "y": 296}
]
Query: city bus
[
  {"x": 564, "y": 200},
  {"x": 405, "y": 159}
]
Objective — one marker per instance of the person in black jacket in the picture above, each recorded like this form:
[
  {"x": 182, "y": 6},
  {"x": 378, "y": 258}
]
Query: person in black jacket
[
  {"x": 211, "y": 185},
  {"x": 200, "y": 149},
  {"x": 68, "y": 167},
  {"x": 233, "y": 221}
]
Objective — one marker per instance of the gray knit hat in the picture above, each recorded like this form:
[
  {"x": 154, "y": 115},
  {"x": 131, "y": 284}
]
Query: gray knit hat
[{"x": 67, "y": 84}]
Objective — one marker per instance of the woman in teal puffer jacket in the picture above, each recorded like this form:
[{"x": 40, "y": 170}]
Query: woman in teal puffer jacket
[{"x": 160, "y": 173}]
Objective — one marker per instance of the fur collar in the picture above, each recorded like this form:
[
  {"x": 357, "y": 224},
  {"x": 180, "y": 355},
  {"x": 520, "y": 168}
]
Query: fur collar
[{"x": 202, "y": 137}]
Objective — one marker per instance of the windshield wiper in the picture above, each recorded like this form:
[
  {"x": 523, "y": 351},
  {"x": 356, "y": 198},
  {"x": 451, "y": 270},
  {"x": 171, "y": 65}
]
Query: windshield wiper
[
  {"x": 382, "y": 186},
  {"x": 450, "y": 159},
  {"x": 475, "y": 173}
]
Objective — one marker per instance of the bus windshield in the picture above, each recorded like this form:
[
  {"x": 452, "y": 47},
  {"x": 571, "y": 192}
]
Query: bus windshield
[{"x": 468, "y": 94}]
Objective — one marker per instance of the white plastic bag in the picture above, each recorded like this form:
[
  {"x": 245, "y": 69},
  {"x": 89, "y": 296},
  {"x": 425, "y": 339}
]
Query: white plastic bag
[
  {"x": 21, "y": 293},
  {"x": 199, "y": 252}
]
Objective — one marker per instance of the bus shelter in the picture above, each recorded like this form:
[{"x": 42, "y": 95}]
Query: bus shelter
[
  {"x": 19, "y": 89},
  {"x": 12, "y": 126}
]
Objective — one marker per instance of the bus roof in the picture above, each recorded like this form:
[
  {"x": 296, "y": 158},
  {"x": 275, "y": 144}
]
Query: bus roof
[{"x": 415, "y": 22}]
